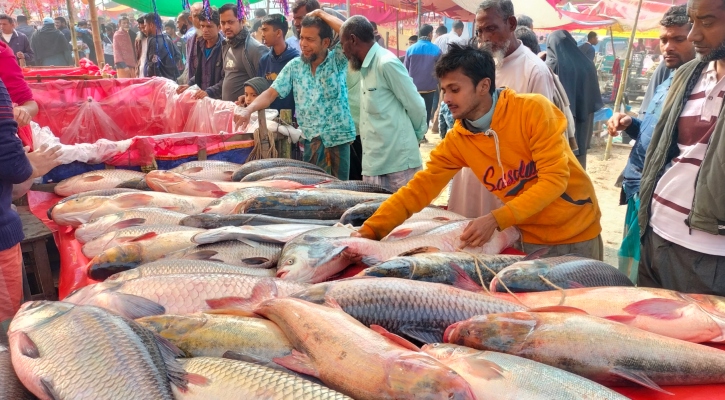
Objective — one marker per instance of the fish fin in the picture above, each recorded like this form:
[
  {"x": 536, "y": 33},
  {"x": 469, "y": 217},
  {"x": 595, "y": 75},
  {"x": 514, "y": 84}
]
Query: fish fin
[
  {"x": 232, "y": 311},
  {"x": 442, "y": 219},
  {"x": 194, "y": 170},
  {"x": 419, "y": 250},
  {"x": 463, "y": 281},
  {"x": 255, "y": 260},
  {"x": 337, "y": 251},
  {"x": 145, "y": 236},
  {"x": 228, "y": 173},
  {"x": 127, "y": 224},
  {"x": 92, "y": 178},
  {"x": 264, "y": 290},
  {"x": 421, "y": 334},
  {"x": 248, "y": 242},
  {"x": 218, "y": 193},
  {"x": 575, "y": 285},
  {"x": 201, "y": 255},
  {"x": 131, "y": 306},
  {"x": 639, "y": 378},
  {"x": 332, "y": 303},
  {"x": 198, "y": 380},
  {"x": 370, "y": 261},
  {"x": 394, "y": 338},
  {"x": 621, "y": 318},
  {"x": 401, "y": 233},
  {"x": 298, "y": 362},
  {"x": 658, "y": 308},
  {"x": 27, "y": 346},
  {"x": 535, "y": 255},
  {"x": 560, "y": 309},
  {"x": 49, "y": 390},
  {"x": 235, "y": 355},
  {"x": 174, "y": 370},
  {"x": 133, "y": 200},
  {"x": 485, "y": 369}
]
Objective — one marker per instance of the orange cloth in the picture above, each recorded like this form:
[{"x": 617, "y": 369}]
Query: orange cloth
[
  {"x": 11, "y": 281},
  {"x": 545, "y": 191}
]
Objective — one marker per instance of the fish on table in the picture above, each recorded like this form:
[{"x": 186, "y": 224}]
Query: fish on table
[
  {"x": 10, "y": 386},
  {"x": 358, "y": 214},
  {"x": 95, "y": 180},
  {"x": 272, "y": 164},
  {"x": 604, "y": 351},
  {"x": 213, "y": 221},
  {"x": 210, "y": 169},
  {"x": 244, "y": 254},
  {"x": 179, "y": 267},
  {"x": 304, "y": 179},
  {"x": 357, "y": 361},
  {"x": 171, "y": 182},
  {"x": 355, "y": 186},
  {"x": 280, "y": 233},
  {"x": 63, "y": 351},
  {"x": 127, "y": 219},
  {"x": 133, "y": 234},
  {"x": 293, "y": 170}
]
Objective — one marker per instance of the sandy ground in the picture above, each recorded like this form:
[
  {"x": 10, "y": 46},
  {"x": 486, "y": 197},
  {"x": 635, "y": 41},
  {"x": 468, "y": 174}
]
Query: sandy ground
[{"x": 603, "y": 174}]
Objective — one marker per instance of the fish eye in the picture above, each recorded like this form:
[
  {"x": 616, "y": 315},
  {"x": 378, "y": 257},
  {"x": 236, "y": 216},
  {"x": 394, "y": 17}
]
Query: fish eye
[{"x": 289, "y": 261}]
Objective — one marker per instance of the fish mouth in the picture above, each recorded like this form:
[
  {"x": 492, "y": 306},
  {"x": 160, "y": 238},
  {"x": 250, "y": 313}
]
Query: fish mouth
[
  {"x": 449, "y": 331},
  {"x": 282, "y": 274}
]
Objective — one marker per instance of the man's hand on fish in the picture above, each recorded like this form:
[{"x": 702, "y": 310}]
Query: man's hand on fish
[{"x": 479, "y": 231}]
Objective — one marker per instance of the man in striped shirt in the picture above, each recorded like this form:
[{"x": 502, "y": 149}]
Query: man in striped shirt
[{"x": 683, "y": 183}]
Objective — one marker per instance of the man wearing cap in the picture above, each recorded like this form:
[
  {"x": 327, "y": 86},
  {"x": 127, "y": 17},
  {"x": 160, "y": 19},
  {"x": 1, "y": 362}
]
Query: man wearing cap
[{"x": 50, "y": 46}]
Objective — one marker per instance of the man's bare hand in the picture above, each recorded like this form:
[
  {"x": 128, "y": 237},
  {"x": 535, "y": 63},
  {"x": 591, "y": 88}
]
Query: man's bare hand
[
  {"x": 617, "y": 123},
  {"x": 479, "y": 231},
  {"x": 181, "y": 89},
  {"x": 44, "y": 159},
  {"x": 241, "y": 101},
  {"x": 22, "y": 116},
  {"x": 20, "y": 55},
  {"x": 241, "y": 119},
  {"x": 200, "y": 94}
]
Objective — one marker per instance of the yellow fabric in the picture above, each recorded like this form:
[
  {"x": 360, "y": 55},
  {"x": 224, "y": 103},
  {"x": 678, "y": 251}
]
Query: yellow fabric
[{"x": 541, "y": 171}]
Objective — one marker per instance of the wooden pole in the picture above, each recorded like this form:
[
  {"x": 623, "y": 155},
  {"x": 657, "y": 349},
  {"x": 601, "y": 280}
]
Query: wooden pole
[
  {"x": 96, "y": 31},
  {"x": 420, "y": 14},
  {"x": 387, "y": 40},
  {"x": 347, "y": 7},
  {"x": 623, "y": 81},
  {"x": 71, "y": 27},
  {"x": 397, "y": 30}
]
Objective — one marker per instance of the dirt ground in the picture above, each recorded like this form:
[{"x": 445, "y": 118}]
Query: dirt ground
[{"x": 603, "y": 174}]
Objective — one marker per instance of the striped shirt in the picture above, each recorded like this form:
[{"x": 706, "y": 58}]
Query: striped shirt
[{"x": 675, "y": 192}]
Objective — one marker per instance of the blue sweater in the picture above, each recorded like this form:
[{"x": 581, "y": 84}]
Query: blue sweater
[
  {"x": 270, "y": 65},
  {"x": 420, "y": 60},
  {"x": 14, "y": 168}
]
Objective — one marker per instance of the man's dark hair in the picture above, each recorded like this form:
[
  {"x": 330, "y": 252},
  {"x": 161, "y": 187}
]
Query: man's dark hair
[
  {"x": 22, "y": 19},
  {"x": 124, "y": 18},
  {"x": 256, "y": 25},
  {"x": 83, "y": 22},
  {"x": 413, "y": 38},
  {"x": 213, "y": 16},
  {"x": 141, "y": 19},
  {"x": 277, "y": 21},
  {"x": 504, "y": 7},
  {"x": 360, "y": 27},
  {"x": 591, "y": 35},
  {"x": 170, "y": 24},
  {"x": 425, "y": 30},
  {"x": 6, "y": 18},
  {"x": 524, "y": 20},
  {"x": 375, "y": 26},
  {"x": 229, "y": 7},
  {"x": 441, "y": 30},
  {"x": 317, "y": 22},
  {"x": 528, "y": 38},
  {"x": 184, "y": 16},
  {"x": 475, "y": 63},
  {"x": 675, "y": 16},
  {"x": 309, "y": 5},
  {"x": 59, "y": 19},
  {"x": 150, "y": 18},
  {"x": 259, "y": 13},
  {"x": 458, "y": 25}
]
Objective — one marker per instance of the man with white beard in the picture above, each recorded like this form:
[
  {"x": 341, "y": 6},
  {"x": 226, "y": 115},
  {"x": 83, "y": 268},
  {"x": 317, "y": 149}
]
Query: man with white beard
[{"x": 516, "y": 68}]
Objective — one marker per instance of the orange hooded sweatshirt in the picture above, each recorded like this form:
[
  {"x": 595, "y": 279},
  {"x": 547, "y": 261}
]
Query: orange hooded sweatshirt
[{"x": 524, "y": 160}]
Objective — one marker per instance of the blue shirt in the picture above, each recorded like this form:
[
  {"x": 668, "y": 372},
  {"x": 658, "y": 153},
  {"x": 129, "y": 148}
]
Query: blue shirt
[
  {"x": 321, "y": 99},
  {"x": 420, "y": 60},
  {"x": 641, "y": 131},
  {"x": 270, "y": 65},
  {"x": 294, "y": 43}
]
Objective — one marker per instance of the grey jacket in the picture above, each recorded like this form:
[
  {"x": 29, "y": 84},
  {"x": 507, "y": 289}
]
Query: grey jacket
[
  {"x": 707, "y": 213},
  {"x": 241, "y": 63}
]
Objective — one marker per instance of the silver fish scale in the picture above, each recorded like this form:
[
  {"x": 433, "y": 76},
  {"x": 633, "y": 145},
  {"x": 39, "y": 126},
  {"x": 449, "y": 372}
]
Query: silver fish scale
[
  {"x": 10, "y": 386},
  {"x": 402, "y": 306},
  {"x": 178, "y": 267},
  {"x": 234, "y": 252},
  {"x": 250, "y": 380}
]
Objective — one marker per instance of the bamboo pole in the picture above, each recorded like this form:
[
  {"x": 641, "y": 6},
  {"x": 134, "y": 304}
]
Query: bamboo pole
[
  {"x": 96, "y": 32},
  {"x": 625, "y": 74},
  {"x": 420, "y": 14},
  {"x": 71, "y": 27},
  {"x": 397, "y": 30}
]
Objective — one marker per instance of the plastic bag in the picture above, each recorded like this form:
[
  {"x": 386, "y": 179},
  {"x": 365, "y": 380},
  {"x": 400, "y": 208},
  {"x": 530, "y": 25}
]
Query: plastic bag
[
  {"x": 91, "y": 124},
  {"x": 92, "y": 153}
]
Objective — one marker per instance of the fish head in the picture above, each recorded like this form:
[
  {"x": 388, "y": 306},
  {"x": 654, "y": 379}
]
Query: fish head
[
  {"x": 505, "y": 333},
  {"x": 116, "y": 259},
  {"x": 399, "y": 267},
  {"x": 77, "y": 211},
  {"x": 714, "y": 306},
  {"x": 312, "y": 260},
  {"x": 173, "y": 327},
  {"x": 162, "y": 180},
  {"x": 426, "y": 377},
  {"x": 85, "y": 232},
  {"x": 86, "y": 294},
  {"x": 35, "y": 313},
  {"x": 447, "y": 351},
  {"x": 125, "y": 275},
  {"x": 225, "y": 205},
  {"x": 520, "y": 276}
]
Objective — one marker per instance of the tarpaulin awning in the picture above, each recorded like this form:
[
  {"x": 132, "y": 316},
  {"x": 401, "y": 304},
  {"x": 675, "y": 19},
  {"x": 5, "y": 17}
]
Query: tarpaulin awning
[
  {"x": 377, "y": 11},
  {"x": 622, "y": 12},
  {"x": 168, "y": 8}
]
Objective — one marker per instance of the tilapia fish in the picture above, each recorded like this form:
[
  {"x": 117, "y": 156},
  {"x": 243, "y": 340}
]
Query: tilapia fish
[
  {"x": 281, "y": 233},
  {"x": 441, "y": 267},
  {"x": 205, "y": 335},
  {"x": 417, "y": 310},
  {"x": 305, "y": 179},
  {"x": 94, "y": 180},
  {"x": 132, "y": 234},
  {"x": 691, "y": 317},
  {"x": 10, "y": 386},
  {"x": 213, "y": 221},
  {"x": 209, "y": 169},
  {"x": 180, "y": 267},
  {"x": 355, "y": 186},
  {"x": 239, "y": 380},
  {"x": 180, "y": 294},
  {"x": 358, "y": 361},
  {"x": 147, "y": 248},
  {"x": 62, "y": 351},
  {"x": 84, "y": 209},
  {"x": 326, "y": 257},
  {"x": 499, "y": 376},
  {"x": 250, "y": 255},
  {"x": 272, "y": 164},
  {"x": 170, "y": 182},
  {"x": 566, "y": 272},
  {"x": 607, "y": 352},
  {"x": 126, "y": 219}
]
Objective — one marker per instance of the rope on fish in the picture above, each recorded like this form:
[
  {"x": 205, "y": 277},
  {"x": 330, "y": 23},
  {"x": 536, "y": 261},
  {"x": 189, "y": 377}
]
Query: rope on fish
[
  {"x": 552, "y": 284},
  {"x": 478, "y": 271}
]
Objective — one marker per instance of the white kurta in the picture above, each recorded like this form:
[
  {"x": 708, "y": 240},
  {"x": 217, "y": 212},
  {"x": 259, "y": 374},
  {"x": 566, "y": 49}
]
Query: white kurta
[{"x": 523, "y": 72}]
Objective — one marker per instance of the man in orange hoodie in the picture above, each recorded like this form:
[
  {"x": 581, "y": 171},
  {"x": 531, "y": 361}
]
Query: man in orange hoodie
[{"x": 514, "y": 144}]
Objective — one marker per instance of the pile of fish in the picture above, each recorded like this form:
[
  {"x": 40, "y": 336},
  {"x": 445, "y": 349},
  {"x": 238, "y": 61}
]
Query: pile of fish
[{"x": 214, "y": 287}]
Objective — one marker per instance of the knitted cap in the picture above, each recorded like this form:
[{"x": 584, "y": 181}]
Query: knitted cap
[
  {"x": 258, "y": 83},
  {"x": 48, "y": 20}
]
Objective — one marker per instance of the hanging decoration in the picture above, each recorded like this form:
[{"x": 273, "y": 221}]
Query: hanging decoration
[
  {"x": 207, "y": 9},
  {"x": 186, "y": 5},
  {"x": 242, "y": 9},
  {"x": 285, "y": 7}
]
